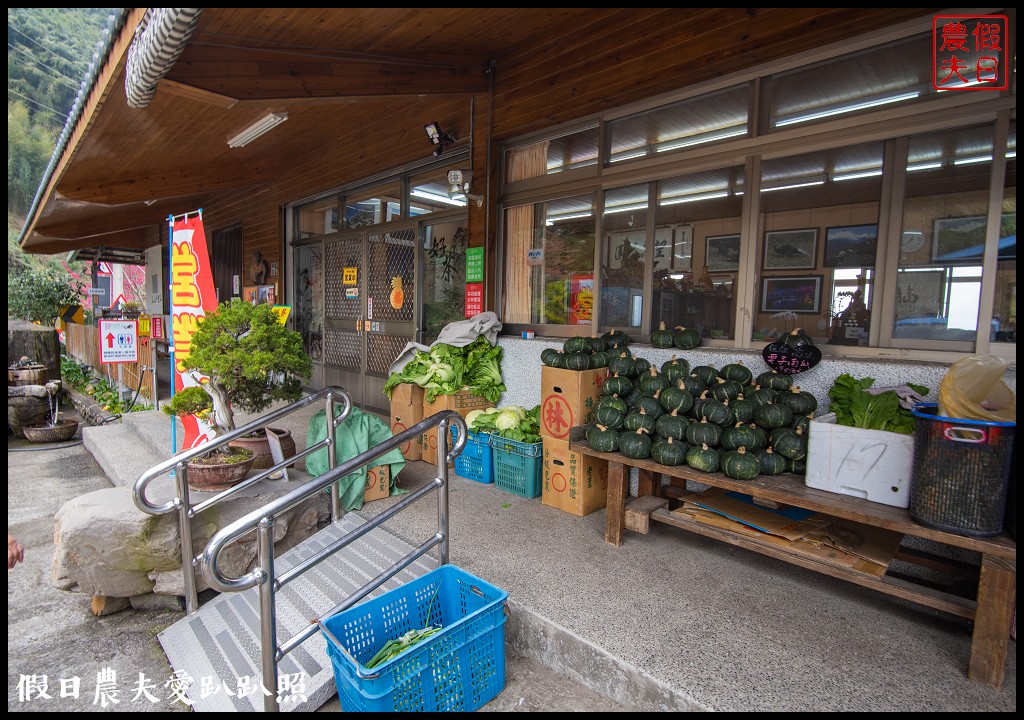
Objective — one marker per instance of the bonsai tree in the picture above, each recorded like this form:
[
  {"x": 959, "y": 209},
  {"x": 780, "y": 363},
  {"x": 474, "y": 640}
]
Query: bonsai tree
[{"x": 251, "y": 360}]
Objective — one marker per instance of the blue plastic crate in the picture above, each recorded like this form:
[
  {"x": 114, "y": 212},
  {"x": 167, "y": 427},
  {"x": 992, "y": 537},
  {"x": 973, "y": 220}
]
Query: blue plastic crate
[
  {"x": 460, "y": 668},
  {"x": 475, "y": 462},
  {"x": 517, "y": 466}
]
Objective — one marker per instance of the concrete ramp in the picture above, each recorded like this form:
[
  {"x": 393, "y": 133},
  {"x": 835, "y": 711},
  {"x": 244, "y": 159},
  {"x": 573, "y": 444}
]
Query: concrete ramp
[{"x": 218, "y": 647}]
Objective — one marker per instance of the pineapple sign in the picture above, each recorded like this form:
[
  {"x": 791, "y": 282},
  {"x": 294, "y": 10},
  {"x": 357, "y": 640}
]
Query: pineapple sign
[{"x": 397, "y": 297}]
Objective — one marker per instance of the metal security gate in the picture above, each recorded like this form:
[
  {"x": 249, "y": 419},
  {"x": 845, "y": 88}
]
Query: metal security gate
[{"x": 369, "y": 310}]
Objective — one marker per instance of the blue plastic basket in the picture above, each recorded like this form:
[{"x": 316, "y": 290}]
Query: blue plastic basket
[
  {"x": 517, "y": 466},
  {"x": 460, "y": 668},
  {"x": 475, "y": 462}
]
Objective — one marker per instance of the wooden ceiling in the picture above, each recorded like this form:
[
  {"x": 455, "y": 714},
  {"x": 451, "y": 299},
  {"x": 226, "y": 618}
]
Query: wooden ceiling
[{"x": 337, "y": 72}]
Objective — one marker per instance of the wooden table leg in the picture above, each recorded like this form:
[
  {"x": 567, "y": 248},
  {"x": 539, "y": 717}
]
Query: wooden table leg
[
  {"x": 615, "y": 512},
  {"x": 648, "y": 483},
  {"x": 996, "y": 594}
]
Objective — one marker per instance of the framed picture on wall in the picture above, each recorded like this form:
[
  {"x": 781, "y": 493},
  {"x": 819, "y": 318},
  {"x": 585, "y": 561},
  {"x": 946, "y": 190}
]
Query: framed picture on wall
[
  {"x": 682, "y": 249},
  {"x": 722, "y": 253},
  {"x": 962, "y": 240},
  {"x": 791, "y": 294},
  {"x": 790, "y": 249},
  {"x": 851, "y": 246}
]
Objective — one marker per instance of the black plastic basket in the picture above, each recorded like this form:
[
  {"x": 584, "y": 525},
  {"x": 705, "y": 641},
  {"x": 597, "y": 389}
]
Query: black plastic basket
[{"x": 961, "y": 473}]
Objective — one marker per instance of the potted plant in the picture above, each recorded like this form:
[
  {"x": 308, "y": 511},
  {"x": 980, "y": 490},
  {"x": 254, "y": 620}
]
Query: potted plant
[{"x": 251, "y": 360}]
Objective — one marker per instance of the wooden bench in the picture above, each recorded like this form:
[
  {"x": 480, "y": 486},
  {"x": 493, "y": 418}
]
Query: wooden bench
[{"x": 996, "y": 580}]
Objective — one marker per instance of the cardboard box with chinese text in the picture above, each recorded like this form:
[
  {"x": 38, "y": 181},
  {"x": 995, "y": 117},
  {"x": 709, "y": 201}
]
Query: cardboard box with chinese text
[
  {"x": 378, "y": 483},
  {"x": 567, "y": 399},
  {"x": 572, "y": 481},
  {"x": 406, "y": 411},
  {"x": 462, "y": 402}
]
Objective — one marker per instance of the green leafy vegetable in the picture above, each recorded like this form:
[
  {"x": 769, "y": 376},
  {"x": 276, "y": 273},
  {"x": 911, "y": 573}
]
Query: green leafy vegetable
[
  {"x": 854, "y": 406},
  {"x": 447, "y": 370},
  {"x": 512, "y": 421}
]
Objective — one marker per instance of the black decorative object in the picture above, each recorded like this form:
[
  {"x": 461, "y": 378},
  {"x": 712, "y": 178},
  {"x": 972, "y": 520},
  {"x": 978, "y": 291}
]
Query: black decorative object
[{"x": 790, "y": 360}]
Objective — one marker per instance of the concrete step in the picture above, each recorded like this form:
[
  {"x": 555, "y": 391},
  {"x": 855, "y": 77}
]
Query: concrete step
[{"x": 120, "y": 451}]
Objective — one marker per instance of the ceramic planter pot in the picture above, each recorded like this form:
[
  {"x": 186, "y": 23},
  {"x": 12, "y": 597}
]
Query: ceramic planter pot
[
  {"x": 214, "y": 477},
  {"x": 64, "y": 430},
  {"x": 260, "y": 448}
]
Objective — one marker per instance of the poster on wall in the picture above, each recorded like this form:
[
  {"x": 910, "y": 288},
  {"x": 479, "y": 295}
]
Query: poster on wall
[
  {"x": 474, "y": 299},
  {"x": 581, "y": 299}
]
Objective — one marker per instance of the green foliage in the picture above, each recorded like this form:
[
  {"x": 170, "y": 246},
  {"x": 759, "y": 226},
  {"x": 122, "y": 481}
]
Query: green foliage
[
  {"x": 856, "y": 407},
  {"x": 102, "y": 392},
  {"x": 251, "y": 359},
  {"x": 189, "y": 401},
  {"x": 447, "y": 369},
  {"x": 37, "y": 294}
]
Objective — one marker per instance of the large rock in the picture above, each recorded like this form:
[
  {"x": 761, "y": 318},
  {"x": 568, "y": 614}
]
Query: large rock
[
  {"x": 39, "y": 343},
  {"x": 107, "y": 546}
]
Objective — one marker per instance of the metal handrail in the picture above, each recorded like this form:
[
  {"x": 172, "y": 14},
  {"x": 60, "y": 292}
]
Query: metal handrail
[
  {"x": 179, "y": 466},
  {"x": 262, "y": 520}
]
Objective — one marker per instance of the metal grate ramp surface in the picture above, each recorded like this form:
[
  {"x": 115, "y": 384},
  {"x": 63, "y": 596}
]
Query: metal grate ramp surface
[{"x": 218, "y": 647}]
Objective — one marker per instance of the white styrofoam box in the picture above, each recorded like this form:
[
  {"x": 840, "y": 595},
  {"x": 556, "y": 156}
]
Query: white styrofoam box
[{"x": 871, "y": 464}]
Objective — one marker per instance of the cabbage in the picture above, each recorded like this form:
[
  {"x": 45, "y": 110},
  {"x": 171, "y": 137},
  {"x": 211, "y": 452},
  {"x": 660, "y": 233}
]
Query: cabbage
[
  {"x": 471, "y": 418},
  {"x": 507, "y": 419}
]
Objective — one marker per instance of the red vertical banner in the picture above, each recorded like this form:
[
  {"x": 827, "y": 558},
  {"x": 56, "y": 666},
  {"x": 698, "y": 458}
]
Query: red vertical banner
[
  {"x": 192, "y": 297},
  {"x": 474, "y": 298}
]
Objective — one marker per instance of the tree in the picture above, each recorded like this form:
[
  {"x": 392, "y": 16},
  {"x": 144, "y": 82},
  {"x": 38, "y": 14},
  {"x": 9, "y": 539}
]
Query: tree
[
  {"x": 251, "y": 360},
  {"x": 38, "y": 294}
]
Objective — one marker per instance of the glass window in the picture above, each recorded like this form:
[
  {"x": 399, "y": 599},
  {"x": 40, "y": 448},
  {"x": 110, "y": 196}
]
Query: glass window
[
  {"x": 444, "y": 276},
  {"x": 820, "y": 235},
  {"x": 549, "y": 262},
  {"x": 570, "y": 151},
  {"x": 318, "y": 218},
  {"x": 944, "y": 228},
  {"x": 381, "y": 204},
  {"x": 892, "y": 74},
  {"x": 699, "y": 216},
  {"x": 623, "y": 257},
  {"x": 1004, "y": 309},
  {"x": 429, "y": 192},
  {"x": 700, "y": 120}
]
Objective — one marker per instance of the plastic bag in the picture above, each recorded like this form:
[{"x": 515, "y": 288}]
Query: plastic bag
[{"x": 974, "y": 389}]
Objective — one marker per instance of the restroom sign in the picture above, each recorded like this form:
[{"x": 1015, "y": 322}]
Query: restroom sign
[{"x": 119, "y": 341}]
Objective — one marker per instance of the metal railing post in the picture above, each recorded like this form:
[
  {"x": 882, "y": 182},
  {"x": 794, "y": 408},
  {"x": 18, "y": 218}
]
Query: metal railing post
[
  {"x": 444, "y": 435},
  {"x": 268, "y": 613},
  {"x": 185, "y": 535},
  {"x": 332, "y": 460}
]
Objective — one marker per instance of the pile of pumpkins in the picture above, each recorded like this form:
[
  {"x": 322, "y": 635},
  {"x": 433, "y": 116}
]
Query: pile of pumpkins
[
  {"x": 591, "y": 353},
  {"x": 712, "y": 419}
]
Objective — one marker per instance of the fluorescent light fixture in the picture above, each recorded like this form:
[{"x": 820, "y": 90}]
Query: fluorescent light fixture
[
  {"x": 797, "y": 183},
  {"x": 700, "y": 139},
  {"x": 1010, "y": 155},
  {"x": 552, "y": 219},
  {"x": 613, "y": 209},
  {"x": 973, "y": 160},
  {"x": 628, "y": 155},
  {"x": 856, "y": 175},
  {"x": 434, "y": 198},
  {"x": 916, "y": 167},
  {"x": 849, "y": 108},
  {"x": 677, "y": 199},
  {"x": 263, "y": 125}
]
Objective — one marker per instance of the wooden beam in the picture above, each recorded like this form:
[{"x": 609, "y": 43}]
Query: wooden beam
[
  {"x": 189, "y": 92},
  {"x": 166, "y": 184}
]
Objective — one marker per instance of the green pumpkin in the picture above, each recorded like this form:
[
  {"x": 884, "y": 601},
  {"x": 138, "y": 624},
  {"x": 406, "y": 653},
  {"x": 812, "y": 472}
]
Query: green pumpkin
[
  {"x": 675, "y": 368},
  {"x": 676, "y": 398},
  {"x": 651, "y": 404},
  {"x": 614, "y": 401},
  {"x": 797, "y": 467},
  {"x": 792, "y": 447},
  {"x": 669, "y": 451},
  {"x": 703, "y": 458},
  {"x": 718, "y": 412},
  {"x": 576, "y": 344},
  {"x": 598, "y": 359},
  {"x": 615, "y": 337},
  {"x": 740, "y": 435},
  {"x": 623, "y": 364},
  {"x": 597, "y": 344},
  {"x": 802, "y": 421},
  {"x": 761, "y": 395},
  {"x": 641, "y": 366},
  {"x": 662, "y": 338},
  {"x": 771, "y": 462},
  {"x": 722, "y": 389},
  {"x": 799, "y": 401},
  {"x": 610, "y": 416},
  {"x": 740, "y": 464},
  {"x": 775, "y": 380},
  {"x": 672, "y": 425},
  {"x": 774, "y": 415},
  {"x": 743, "y": 409},
  {"x": 549, "y": 356},
  {"x": 652, "y": 381},
  {"x": 603, "y": 439},
  {"x": 694, "y": 385},
  {"x": 706, "y": 374},
  {"x": 617, "y": 385},
  {"x": 638, "y": 419},
  {"x": 635, "y": 444},
  {"x": 738, "y": 372},
  {"x": 685, "y": 338},
  {"x": 704, "y": 433},
  {"x": 577, "y": 360},
  {"x": 776, "y": 434},
  {"x": 797, "y": 338}
]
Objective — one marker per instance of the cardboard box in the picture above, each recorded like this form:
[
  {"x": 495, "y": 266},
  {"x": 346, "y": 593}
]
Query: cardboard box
[
  {"x": 567, "y": 399},
  {"x": 404, "y": 417},
  {"x": 407, "y": 394},
  {"x": 378, "y": 483},
  {"x": 871, "y": 464},
  {"x": 462, "y": 403},
  {"x": 572, "y": 481}
]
